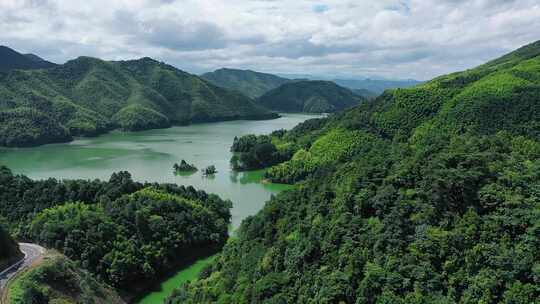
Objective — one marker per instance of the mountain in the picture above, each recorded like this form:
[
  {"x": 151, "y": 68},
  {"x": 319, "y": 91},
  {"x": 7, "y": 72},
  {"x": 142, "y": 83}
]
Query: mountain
[
  {"x": 40, "y": 61},
  {"x": 250, "y": 83},
  {"x": 60, "y": 280},
  {"x": 9, "y": 250},
  {"x": 309, "y": 96},
  {"x": 256, "y": 84},
  {"x": 10, "y": 59},
  {"x": 89, "y": 96},
  {"x": 377, "y": 86},
  {"x": 423, "y": 195}
]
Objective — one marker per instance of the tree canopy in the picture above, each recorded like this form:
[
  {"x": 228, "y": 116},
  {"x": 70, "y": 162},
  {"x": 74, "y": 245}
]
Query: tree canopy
[{"x": 423, "y": 195}]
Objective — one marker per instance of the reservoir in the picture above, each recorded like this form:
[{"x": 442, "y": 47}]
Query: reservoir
[{"x": 150, "y": 156}]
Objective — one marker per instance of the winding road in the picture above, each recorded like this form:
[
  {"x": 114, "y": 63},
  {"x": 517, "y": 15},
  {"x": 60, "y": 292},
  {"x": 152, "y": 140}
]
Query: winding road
[{"x": 32, "y": 253}]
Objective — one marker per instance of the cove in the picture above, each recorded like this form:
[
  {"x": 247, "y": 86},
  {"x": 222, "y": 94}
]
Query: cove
[
  {"x": 150, "y": 156},
  {"x": 168, "y": 286}
]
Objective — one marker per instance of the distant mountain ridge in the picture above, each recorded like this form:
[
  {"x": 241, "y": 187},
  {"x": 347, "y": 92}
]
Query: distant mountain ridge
[
  {"x": 11, "y": 59},
  {"x": 310, "y": 96},
  {"x": 250, "y": 83},
  {"x": 377, "y": 86},
  {"x": 88, "y": 96},
  {"x": 255, "y": 84}
]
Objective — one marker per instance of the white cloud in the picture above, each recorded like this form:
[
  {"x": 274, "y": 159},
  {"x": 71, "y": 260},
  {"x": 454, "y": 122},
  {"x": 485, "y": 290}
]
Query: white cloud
[{"x": 392, "y": 38}]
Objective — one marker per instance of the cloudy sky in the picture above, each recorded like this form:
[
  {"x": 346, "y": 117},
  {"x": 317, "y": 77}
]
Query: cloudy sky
[{"x": 388, "y": 38}]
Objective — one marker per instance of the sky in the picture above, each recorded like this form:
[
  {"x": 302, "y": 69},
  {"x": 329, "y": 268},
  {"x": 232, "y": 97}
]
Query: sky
[{"x": 398, "y": 39}]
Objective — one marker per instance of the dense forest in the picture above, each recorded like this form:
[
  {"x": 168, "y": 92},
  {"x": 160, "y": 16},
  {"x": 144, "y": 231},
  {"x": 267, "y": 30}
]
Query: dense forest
[
  {"x": 252, "y": 152},
  {"x": 87, "y": 96},
  {"x": 250, "y": 83},
  {"x": 309, "y": 97},
  {"x": 9, "y": 250},
  {"x": 424, "y": 195},
  {"x": 60, "y": 280},
  {"x": 124, "y": 232}
]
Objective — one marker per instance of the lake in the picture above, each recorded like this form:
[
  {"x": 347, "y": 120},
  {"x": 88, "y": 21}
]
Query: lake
[{"x": 150, "y": 156}]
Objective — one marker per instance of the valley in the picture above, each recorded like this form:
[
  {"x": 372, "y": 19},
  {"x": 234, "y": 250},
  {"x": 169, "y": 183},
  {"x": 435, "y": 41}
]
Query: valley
[
  {"x": 269, "y": 152},
  {"x": 150, "y": 155}
]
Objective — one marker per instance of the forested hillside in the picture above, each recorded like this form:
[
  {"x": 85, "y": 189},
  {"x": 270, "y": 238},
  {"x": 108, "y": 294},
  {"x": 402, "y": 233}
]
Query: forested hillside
[
  {"x": 126, "y": 233},
  {"x": 423, "y": 195},
  {"x": 60, "y": 280},
  {"x": 9, "y": 250},
  {"x": 310, "y": 97},
  {"x": 88, "y": 96},
  {"x": 11, "y": 59},
  {"x": 250, "y": 83}
]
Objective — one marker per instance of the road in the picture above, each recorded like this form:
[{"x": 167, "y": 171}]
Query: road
[{"x": 32, "y": 253}]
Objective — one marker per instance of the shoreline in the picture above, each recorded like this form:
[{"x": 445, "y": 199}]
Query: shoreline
[{"x": 69, "y": 139}]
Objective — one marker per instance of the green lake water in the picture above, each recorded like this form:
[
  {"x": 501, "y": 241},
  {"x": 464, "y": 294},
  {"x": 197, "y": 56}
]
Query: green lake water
[{"x": 150, "y": 155}]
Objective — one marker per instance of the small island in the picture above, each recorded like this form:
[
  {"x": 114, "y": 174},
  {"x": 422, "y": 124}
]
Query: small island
[
  {"x": 210, "y": 170},
  {"x": 184, "y": 167}
]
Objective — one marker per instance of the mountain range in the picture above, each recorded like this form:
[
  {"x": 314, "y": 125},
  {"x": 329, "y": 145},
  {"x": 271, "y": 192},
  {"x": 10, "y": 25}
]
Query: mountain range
[
  {"x": 255, "y": 84},
  {"x": 88, "y": 96}
]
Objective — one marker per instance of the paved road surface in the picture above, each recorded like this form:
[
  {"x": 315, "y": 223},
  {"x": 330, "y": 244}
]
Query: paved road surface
[{"x": 32, "y": 252}]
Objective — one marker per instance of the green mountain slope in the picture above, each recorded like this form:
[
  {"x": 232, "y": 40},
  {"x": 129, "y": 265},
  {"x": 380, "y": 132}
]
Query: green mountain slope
[
  {"x": 424, "y": 195},
  {"x": 309, "y": 96},
  {"x": 500, "y": 95},
  {"x": 88, "y": 96},
  {"x": 250, "y": 83},
  {"x": 60, "y": 280},
  {"x": 9, "y": 250},
  {"x": 11, "y": 59}
]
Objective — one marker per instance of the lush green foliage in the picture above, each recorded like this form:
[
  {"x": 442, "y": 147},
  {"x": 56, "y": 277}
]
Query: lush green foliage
[
  {"x": 60, "y": 280},
  {"x": 255, "y": 152},
  {"x": 137, "y": 117},
  {"x": 310, "y": 97},
  {"x": 9, "y": 250},
  {"x": 337, "y": 146},
  {"x": 250, "y": 83},
  {"x": 135, "y": 237},
  {"x": 26, "y": 127},
  {"x": 125, "y": 232},
  {"x": 88, "y": 96},
  {"x": 394, "y": 225},
  {"x": 424, "y": 195}
]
